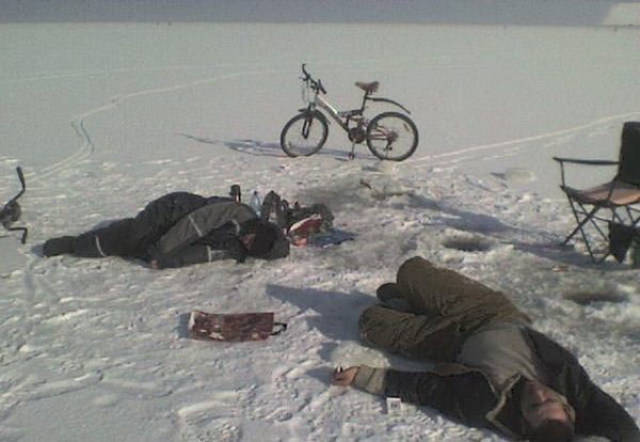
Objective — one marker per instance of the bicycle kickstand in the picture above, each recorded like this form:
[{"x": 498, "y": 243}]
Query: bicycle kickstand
[{"x": 352, "y": 154}]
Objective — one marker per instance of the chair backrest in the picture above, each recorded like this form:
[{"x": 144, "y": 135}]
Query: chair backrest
[{"x": 629, "y": 168}]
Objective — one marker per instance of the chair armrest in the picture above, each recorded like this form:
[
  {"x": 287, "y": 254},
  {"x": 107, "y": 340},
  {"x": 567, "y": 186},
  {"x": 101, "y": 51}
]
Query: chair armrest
[
  {"x": 561, "y": 161},
  {"x": 586, "y": 162}
]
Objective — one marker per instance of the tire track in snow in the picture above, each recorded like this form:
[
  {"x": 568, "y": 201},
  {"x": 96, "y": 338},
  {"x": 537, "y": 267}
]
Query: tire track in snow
[
  {"x": 502, "y": 144},
  {"x": 78, "y": 123},
  {"x": 96, "y": 73},
  {"x": 84, "y": 152}
]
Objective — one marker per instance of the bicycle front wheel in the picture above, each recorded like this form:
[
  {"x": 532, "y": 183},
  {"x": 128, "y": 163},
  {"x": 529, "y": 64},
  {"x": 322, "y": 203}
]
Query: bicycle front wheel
[
  {"x": 392, "y": 136},
  {"x": 304, "y": 134}
]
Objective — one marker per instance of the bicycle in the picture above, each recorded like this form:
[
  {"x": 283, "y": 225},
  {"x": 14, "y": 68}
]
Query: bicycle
[{"x": 389, "y": 135}]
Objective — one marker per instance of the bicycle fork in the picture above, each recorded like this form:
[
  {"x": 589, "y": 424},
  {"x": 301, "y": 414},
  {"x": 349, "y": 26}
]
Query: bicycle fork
[{"x": 306, "y": 126}]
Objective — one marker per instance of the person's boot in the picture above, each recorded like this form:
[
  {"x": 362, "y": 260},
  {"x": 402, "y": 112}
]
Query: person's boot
[
  {"x": 389, "y": 296},
  {"x": 58, "y": 246}
]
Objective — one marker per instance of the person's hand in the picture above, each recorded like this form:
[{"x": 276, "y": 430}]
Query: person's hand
[
  {"x": 344, "y": 378},
  {"x": 236, "y": 249}
]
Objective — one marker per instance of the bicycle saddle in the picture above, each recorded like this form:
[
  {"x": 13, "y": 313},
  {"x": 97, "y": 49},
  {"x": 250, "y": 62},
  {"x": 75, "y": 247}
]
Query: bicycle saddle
[{"x": 369, "y": 88}]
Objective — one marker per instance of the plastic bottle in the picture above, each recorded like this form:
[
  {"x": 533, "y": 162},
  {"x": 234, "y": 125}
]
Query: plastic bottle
[
  {"x": 235, "y": 193},
  {"x": 255, "y": 202}
]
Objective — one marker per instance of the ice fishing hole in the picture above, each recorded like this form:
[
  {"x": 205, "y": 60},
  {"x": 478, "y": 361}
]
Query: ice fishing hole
[
  {"x": 585, "y": 298},
  {"x": 468, "y": 244}
]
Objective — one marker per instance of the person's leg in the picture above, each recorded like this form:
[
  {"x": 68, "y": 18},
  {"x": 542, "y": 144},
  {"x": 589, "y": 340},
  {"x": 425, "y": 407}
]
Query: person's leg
[
  {"x": 112, "y": 240},
  {"x": 437, "y": 291},
  {"x": 390, "y": 296},
  {"x": 58, "y": 246},
  {"x": 441, "y": 308},
  {"x": 128, "y": 237},
  {"x": 415, "y": 336}
]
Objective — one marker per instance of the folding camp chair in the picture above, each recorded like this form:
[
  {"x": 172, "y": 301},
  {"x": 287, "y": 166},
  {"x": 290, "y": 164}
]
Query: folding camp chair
[{"x": 614, "y": 203}]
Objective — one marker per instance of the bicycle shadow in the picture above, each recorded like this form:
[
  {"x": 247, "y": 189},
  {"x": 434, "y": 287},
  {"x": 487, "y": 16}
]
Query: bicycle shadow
[
  {"x": 246, "y": 146},
  {"x": 249, "y": 147},
  {"x": 270, "y": 149}
]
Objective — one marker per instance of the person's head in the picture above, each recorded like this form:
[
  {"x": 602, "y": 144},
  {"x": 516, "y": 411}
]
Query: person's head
[
  {"x": 263, "y": 239},
  {"x": 549, "y": 418}
]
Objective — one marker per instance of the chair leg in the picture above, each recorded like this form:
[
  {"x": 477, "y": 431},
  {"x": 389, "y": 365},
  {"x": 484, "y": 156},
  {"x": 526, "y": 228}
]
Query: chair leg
[
  {"x": 634, "y": 220},
  {"x": 581, "y": 223},
  {"x": 586, "y": 242},
  {"x": 597, "y": 227},
  {"x": 588, "y": 216},
  {"x": 583, "y": 216}
]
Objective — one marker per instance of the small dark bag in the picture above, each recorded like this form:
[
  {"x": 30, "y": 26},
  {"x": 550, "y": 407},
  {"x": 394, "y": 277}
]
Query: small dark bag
[{"x": 620, "y": 237}]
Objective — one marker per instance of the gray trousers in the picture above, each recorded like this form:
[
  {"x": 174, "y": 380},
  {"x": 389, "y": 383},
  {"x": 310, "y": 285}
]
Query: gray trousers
[{"x": 446, "y": 307}]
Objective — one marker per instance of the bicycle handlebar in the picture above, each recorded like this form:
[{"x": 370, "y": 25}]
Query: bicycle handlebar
[
  {"x": 316, "y": 85},
  {"x": 304, "y": 71}
]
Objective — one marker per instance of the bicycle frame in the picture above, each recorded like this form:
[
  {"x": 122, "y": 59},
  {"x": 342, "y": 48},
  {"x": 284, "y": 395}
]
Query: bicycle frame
[
  {"x": 334, "y": 113},
  {"x": 341, "y": 117}
]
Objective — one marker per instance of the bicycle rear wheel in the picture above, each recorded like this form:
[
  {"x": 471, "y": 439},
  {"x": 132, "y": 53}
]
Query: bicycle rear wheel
[
  {"x": 392, "y": 136},
  {"x": 304, "y": 134}
]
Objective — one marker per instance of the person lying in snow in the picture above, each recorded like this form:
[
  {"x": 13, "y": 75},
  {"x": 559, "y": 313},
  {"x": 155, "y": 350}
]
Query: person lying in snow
[
  {"x": 179, "y": 229},
  {"x": 494, "y": 370}
]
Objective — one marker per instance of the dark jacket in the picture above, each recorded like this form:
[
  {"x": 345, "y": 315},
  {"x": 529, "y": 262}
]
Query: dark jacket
[
  {"x": 175, "y": 230},
  {"x": 203, "y": 235},
  {"x": 465, "y": 395}
]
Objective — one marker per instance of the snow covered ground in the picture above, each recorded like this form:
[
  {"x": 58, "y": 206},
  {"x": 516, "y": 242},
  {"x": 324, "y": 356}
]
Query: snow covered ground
[{"x": 105, "y": 117}]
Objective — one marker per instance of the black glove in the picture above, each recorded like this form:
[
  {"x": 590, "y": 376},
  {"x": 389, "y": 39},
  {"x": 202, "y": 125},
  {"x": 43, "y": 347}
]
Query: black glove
[{"x": 236, "y": 249}]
